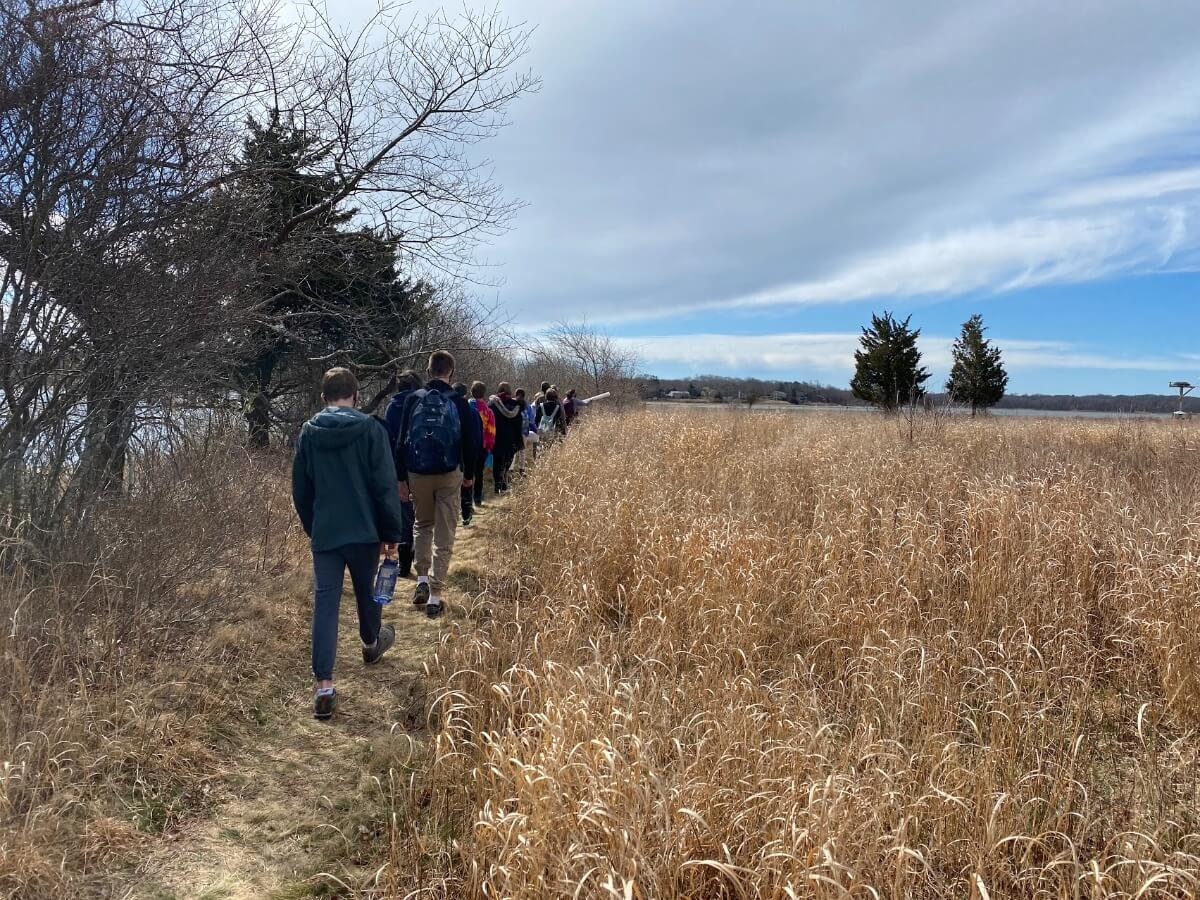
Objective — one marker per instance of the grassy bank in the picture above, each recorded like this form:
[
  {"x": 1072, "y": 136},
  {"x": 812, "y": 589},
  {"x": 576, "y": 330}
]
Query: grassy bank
[
  {"x": 123, "y": 666},
  {"x": 746, "y": 655}
]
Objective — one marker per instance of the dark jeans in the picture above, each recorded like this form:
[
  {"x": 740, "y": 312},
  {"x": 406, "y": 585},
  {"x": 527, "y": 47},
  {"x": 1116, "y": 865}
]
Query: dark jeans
[
  {"x": 407, "y": 517},
  {"x": 329, "y": 568},
  {"x": 502, "y": 458},
  {"x": 478, "y": 476}
]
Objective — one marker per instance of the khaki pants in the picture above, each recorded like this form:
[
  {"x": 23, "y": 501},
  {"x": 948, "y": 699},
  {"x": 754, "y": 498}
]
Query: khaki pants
[{"x": 436, "y": 501}]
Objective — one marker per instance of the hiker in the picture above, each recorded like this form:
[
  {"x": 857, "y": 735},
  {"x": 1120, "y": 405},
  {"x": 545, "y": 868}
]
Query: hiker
[
  {"x": 344, "y": 490},
  {"x": 528, "y": 431},
  {"x": 551, "y": 421},
  {"x": 466, "y": 494},
  {"x": 487, "y": 419},
  {"x": 438, "y": 445},
  {"x": 541, "y": 395},
  {"x": 570, "y": 409},
  {"x": 510, "y": 435},
  {"x": 407, "y": 382}
]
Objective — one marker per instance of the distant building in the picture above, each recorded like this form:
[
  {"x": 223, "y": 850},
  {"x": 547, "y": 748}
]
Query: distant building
[
  {"x": 779, "y": 395},
  {"x": 678, "y": 395}
]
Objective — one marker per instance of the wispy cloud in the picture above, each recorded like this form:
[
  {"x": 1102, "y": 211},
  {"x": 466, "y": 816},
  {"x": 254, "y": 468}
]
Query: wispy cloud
[
  {"x": 1121, "y": 189},
  {"x": 995, "y": 258}
]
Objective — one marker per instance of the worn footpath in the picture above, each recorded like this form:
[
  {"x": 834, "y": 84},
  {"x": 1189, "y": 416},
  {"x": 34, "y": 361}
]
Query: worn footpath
[{"x": 297, "y": 800}]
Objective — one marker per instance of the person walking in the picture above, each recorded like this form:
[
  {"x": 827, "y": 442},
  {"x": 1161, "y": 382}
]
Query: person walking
[
  {"x": 528, "y": 431},
  {"x": 487, "y": 419},
  {"x": 344, "y": 491},
  {"x": 570, "y": 408},
  {"x": 541, "y": 395},
  {"x": 551, "y": 420},
  {"x": 510, "y": 435},
  {"x": 438, "y": 445},
  {"x": 407, "y": 382},
  {"x": 467, "y": 492}
]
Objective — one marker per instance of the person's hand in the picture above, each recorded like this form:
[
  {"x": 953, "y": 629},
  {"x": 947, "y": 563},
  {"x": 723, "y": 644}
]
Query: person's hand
[
  {"x": 468, "y": 482},
  {"x": 387, "y": 549},
  {"x": 405, "y": 493}
]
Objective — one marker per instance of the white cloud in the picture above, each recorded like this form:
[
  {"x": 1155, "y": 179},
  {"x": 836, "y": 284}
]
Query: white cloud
[
  {"x": 705, "y": 353},
  {"x": 832, "y": 354},
  {"x": 1128, "y": 188}
]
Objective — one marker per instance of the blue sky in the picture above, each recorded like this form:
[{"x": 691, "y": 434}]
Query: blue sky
[{"x": 735, "y": 188}]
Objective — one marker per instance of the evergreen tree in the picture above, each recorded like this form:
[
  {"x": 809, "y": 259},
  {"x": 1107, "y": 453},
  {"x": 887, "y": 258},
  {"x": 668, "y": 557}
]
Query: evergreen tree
[
  {"x": 977, "y": 378},
  {"x": 320, "y": 290},
  {"x": 887, "y": 368}
]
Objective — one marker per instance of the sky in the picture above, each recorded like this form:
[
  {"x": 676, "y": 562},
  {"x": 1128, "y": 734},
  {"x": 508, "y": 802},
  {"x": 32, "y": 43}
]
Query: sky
[{"x": 735, "y": 188}]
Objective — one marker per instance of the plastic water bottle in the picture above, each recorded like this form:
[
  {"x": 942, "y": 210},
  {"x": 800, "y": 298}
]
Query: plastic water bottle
[{"x": 385, "y": 581}]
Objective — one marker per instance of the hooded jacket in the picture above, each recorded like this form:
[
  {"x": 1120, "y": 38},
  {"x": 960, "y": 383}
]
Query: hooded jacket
[
  {"x": 343, "y": 480},
  {"x": 510, "y": 426}
]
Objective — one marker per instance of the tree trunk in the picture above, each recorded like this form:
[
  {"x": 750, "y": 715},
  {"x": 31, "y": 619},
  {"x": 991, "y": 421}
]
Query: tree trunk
[
  {"x": 387, "y": 391},
  {"x": 106, "y": 448},
  {"x": 258, "y": 421}
]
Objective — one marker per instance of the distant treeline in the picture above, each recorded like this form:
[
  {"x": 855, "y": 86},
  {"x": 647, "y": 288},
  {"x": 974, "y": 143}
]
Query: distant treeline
[
  {"x": 719, "y": 388},
  {"x": 722, "y": 389}
]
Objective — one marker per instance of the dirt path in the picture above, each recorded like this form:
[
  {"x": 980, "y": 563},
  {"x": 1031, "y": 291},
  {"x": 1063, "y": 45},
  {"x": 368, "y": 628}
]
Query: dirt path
[{"x": 292, "y": 786}]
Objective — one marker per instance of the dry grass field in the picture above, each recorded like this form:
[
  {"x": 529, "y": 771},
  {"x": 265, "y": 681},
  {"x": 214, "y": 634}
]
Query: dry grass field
[
  {"x": 760, "y": 656},
  {"x": 710, "y": 655}
]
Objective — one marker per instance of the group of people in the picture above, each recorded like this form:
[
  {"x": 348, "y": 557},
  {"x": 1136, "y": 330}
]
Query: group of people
[{"x": 363, "y": 485}]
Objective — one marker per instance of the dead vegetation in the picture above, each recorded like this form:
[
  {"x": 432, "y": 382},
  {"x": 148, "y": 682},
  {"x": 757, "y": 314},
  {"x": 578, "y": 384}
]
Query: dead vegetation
[
  {"x": 122, "y": 664},
  {"x": 758, "y": 656}
]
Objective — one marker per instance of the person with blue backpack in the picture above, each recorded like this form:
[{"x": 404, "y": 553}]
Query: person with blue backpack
[
  {"x": 344, "y": 491},
  {"x": 439, "y": 440}
]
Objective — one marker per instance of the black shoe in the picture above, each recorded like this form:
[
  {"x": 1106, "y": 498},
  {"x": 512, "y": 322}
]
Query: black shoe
[
  {"x": 383, "y": 643},
  {"x": 324, "y": 705},
  {"x": 433, "y": 610},
  {"x": 406, "y": 561},
  {"x": 421, "y": 594}
]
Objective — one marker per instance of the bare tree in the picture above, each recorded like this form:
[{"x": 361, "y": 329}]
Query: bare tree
[
  {"x": 579, "y": 352},
  {"x": 131, "y": 288},
  {"x": 112, "y": 123}
]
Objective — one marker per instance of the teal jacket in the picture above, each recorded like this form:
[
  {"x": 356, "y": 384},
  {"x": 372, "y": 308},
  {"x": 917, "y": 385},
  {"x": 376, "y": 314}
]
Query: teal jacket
[{"x": 343, "y": 480}]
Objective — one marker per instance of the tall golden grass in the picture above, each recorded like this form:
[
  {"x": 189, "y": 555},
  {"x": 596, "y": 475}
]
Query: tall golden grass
[{"x": 759, "y": 655}]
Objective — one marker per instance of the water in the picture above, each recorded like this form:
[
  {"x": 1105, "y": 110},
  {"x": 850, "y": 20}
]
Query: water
[
  {"x": 955, "y": 411},
  {"x": 1079, "y": 414},
  {"x": 385, "y": 581}
]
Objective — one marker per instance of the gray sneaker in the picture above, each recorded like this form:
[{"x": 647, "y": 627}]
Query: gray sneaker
[
  {"x": 421, "y": 594},
  {"x": 383, "y": 643}
]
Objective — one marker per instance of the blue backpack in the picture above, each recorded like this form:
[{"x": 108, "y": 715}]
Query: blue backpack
[{"x": 434, "y": 434}]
